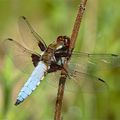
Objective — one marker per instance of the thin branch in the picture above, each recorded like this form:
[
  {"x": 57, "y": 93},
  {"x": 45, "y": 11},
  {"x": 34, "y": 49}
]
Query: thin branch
[
  {"x": 59, "y": 99},
  {"x": 62, "y": 80},
  {"x": 77, "y": 23}
]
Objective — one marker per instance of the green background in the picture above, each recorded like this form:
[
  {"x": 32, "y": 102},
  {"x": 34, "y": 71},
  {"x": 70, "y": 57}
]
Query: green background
[{"x": 99, "y": 33}]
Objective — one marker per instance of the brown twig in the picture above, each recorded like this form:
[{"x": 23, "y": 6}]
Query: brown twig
[
  {"x": 62, "y": 80},
  {"x": 77, "y": 23}
]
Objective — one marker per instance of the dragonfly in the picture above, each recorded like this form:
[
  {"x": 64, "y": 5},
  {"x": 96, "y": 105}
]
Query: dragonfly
[{"x": 48, "y": 61}]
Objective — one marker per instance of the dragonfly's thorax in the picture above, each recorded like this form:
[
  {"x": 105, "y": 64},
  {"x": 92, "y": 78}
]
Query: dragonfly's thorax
[
  {"x": 56, "y": 53},
  {"x": 48, "y": 55}
]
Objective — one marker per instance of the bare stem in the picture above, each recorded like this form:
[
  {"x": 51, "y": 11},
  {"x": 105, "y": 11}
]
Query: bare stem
[
  {"x": 59, "y": 99},
  {"x": 77, "y": 23},
  {"x": 62, "y": 80}
]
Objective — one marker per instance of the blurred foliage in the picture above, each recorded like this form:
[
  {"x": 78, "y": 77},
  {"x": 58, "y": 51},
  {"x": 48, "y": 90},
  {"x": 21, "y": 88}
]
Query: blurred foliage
[{"x": 99, "y": 33}]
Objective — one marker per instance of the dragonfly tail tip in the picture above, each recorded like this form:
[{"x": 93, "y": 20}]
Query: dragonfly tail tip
[{"x": 17, "y": 102}]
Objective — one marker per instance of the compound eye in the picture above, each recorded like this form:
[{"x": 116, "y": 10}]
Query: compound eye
[{"x": 59, "y": 39}]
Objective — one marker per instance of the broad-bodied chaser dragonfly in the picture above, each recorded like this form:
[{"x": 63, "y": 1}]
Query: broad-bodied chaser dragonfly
[{"x": 51, "y": 60}]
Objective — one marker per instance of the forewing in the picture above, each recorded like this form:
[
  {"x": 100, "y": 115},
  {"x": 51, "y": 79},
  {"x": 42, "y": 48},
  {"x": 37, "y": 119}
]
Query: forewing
[
  {"x": 99, "y": 61},
  {"x": 23, "y": 59},
  {"x": 30, "y": 37}
]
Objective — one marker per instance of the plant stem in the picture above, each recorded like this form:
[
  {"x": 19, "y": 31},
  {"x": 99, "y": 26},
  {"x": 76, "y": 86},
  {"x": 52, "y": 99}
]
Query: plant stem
[
  {"x": 62, "y": 80},
  {"x": 59, "y": 99},
  {"x": 77, "y": 23}
]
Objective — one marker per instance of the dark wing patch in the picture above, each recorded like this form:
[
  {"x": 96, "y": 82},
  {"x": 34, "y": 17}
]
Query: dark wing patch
[{"x": 35, "y": 59}]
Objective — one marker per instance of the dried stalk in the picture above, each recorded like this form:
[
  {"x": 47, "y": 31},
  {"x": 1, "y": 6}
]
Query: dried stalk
[
  {"x": 62, "y": 80},
  {"x": 77, "y": 23}
]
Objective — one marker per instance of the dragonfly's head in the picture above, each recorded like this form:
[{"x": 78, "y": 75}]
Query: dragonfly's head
[{"x": 63, "y": 41}]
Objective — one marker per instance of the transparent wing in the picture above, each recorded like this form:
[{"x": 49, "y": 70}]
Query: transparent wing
[
  {"x": 23, "y": 58},
  {"x": 100, "y": 61},
  {"x": 30, "y": 37},
  {"x": 78, "y": 81}
]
